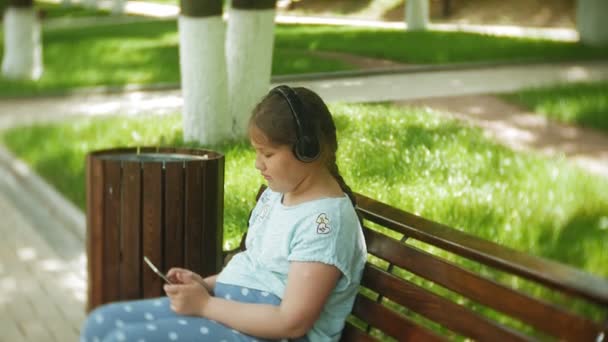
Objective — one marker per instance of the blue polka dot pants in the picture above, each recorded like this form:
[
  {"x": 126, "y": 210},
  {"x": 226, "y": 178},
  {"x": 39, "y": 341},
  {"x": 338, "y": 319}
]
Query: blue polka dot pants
[{"x": 152, "y": 320}]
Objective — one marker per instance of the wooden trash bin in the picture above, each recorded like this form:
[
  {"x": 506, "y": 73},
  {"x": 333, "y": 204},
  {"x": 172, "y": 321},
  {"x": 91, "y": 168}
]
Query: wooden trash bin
[{"x": 164, "y": 203}]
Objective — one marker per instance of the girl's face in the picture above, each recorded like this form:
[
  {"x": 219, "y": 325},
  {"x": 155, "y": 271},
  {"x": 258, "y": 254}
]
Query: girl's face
[{"x": 276, "y": 163}]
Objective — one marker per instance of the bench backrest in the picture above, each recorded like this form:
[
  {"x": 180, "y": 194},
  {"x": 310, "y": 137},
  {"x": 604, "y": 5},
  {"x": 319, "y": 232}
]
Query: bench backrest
[{"x": 404, "y": 295}]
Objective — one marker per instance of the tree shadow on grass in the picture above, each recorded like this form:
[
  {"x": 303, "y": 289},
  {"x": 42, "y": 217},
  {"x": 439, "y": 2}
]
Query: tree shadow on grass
[
  {"x": 580, "y": 242},
  {"x": 149, "y": 29}
]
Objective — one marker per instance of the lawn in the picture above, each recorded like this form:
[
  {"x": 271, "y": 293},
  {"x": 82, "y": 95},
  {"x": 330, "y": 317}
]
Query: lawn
[
  {"x": 584, "y": 104},
  {"x": 147, "y": 53},
  {"x": 410, "y": 158},
  {"x": 52, "y": 11}
]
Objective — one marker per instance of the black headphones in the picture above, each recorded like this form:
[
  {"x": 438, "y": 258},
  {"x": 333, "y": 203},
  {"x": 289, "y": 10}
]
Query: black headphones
[{"x": 306, "y": 147}]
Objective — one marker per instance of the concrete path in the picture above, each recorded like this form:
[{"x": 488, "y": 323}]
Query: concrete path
[
  {"x": 42, "y": 265},
  {"x": 393, "y": 84}
]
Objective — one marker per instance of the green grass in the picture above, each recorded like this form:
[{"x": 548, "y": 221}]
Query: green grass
[
  {"x": 584, "y": 104},
  {"x": 412, "y": 159},
  {"x": 141, "y": 53},
  {"x": 145, "y": 53},
  {"x": 54, "y": 10},
  {"x": 430, "y": 47}
]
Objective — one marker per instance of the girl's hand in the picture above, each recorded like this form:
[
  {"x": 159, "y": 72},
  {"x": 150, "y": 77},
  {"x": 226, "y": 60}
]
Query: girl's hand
[
  {"x": 188, "y": 296},
  {"x": 175, "y": 273}
]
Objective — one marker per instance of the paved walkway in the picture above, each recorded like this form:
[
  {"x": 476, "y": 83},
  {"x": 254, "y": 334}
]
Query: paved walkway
[
  {"x": 42, "y": 278},
  {"x": 42, "y": 263}
]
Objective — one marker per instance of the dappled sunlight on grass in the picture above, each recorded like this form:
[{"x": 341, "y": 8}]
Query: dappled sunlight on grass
[
  {"x": 54, "y": 10},
  {"x": 141, "y": 53},
  {"x": 439, "y": 47},
  {"x": 411, "y": 158},
  {"x": 298, "y": 62},
  {"x": 583, "y": 104},
  {"x": 451, "y": 174},
  {"x": 147, "y": 52}
]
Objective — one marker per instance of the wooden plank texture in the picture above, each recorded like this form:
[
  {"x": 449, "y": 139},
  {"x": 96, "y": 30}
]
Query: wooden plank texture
[
  {"x": 152, "y": 227},
  {"x": 391, "y": 323},
  {"x": 552, "y": 274},
  {"x": 94, "y": 237},
  {"x": 212, "y": 206},
  {"x": 352, "y": 334},
  {"x": 111, "y": 231},
  {"x": 174, "y": 215},
  {"x": 131, "y": 232},
  {"x": 193, "y": 233},
  {"x": 535, "y": 312},
  {"x": 436, "y": 308}
]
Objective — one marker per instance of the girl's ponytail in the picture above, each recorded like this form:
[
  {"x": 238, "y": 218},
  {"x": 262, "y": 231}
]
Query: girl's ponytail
[{"x": 333, "y": 169}]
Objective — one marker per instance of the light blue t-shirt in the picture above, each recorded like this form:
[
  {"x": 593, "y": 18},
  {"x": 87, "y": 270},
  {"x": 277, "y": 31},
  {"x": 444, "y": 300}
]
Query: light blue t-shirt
[{"x": 325, "y": 230}]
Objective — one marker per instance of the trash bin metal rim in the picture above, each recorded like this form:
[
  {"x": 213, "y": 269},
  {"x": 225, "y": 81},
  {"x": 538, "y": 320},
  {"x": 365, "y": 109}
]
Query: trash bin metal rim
[
  {"x": 155, "y": 154},
  {"x": 153, "y": 157}
]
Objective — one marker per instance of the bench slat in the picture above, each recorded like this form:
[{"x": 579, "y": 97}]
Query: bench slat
[
  {"x": 436, "y": 308},
  {"x": 391, "y": 322},
  {"x": 352, "y": 334},
  {"x": 535, "y": 312},
  {"x": 549, "y": 273}
]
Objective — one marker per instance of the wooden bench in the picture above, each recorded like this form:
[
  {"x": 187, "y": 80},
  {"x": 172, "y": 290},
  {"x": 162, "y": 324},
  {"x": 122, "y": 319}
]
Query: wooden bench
[{"x": 391, "y": 291}]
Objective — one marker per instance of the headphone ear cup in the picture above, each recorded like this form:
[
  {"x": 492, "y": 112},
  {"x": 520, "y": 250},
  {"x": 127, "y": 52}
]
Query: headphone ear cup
[{"x": 306, "y": 149}]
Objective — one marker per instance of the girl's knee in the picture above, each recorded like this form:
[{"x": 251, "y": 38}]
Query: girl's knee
[{"x": 100, "y": 322}]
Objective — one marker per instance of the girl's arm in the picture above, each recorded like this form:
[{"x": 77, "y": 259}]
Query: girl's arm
[{"x": 309, "y": 284}]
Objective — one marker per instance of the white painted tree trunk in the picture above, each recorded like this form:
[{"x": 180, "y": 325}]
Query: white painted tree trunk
[
  {"x": 22, "y": 44},
  {"x": 118, "y": 7},
  {"x": 591, "y": 21},
  {"x": 249, "y": 46},
  {"x": 203, "y": 79},
  {"x": 417, "y": 14}
]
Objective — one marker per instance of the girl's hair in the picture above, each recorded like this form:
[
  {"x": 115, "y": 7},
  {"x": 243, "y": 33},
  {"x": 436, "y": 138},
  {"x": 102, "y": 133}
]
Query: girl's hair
[{"x": 274, "y": 118}]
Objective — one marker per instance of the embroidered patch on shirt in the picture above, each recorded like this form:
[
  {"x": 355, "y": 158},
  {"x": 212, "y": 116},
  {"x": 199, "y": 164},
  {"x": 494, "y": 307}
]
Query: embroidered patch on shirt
[{"x": 323, "y": 224}]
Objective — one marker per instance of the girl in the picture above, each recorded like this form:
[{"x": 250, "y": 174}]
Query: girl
[{"x": 305, "y": 254}]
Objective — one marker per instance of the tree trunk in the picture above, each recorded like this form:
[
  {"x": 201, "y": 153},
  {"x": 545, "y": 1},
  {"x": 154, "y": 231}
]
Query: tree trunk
[
  {"x": 417, "y": 14},
  {"x": 591, "y": 21},
  {"x": 203, "y": 71},
  {"x": 118, "y": 7},
  {"x": 249, "y": 57},
  {"x": 22, "y": 42}
]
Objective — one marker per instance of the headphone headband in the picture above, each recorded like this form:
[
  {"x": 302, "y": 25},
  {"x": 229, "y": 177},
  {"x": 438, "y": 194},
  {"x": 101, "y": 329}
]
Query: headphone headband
[{"x": 306, "y": 148}]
